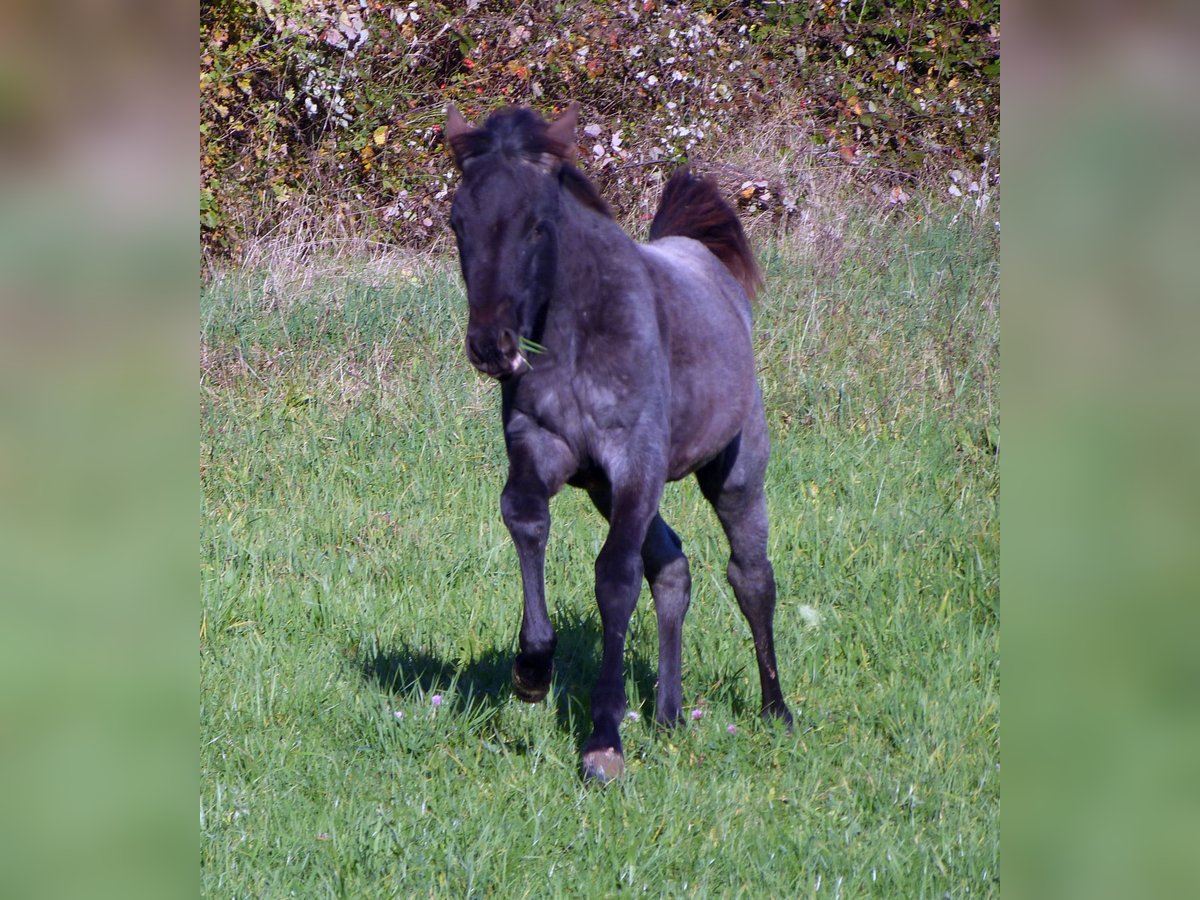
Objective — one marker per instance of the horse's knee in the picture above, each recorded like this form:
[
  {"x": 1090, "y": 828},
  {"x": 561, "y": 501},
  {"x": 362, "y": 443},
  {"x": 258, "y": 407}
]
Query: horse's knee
[
  {"x": 618, "y": 566},
  {"x": 753, "y": 582},
  {"x": 526, "y": 516},
  {"x": 618, "y": 577}
]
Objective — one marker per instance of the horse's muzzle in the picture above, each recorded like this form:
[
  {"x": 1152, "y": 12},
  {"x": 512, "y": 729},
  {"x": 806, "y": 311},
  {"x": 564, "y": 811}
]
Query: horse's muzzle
[{"x": 495, "y": 352}]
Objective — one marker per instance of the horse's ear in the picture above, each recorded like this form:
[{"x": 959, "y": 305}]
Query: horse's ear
[
  {"x": 455, "y": 123},
  {"x": 457, "y": 128},
  {"x": 562, "y": 130}
]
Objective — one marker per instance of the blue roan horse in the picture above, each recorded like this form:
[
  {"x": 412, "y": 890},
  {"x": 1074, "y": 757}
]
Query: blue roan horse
[{"x": 642, "y": 373}]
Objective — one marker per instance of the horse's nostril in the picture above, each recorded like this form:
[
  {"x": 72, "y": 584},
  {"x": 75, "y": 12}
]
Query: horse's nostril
[{"x": 492, "y": 351}]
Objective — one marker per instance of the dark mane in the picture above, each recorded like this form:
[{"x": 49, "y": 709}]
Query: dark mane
[
  {"x": 518, "y": 133},
  {"x": 582, "y": 189},
  {"x": 693, "y": 207}
]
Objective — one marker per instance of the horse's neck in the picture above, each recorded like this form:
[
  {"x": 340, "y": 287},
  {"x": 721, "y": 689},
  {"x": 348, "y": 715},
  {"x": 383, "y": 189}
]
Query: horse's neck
[{"x": 592, "y": 250}]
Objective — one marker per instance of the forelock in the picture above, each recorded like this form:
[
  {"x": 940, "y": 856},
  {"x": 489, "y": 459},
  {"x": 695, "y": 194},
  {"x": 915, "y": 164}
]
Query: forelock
[{"x": 515, "y": 133}]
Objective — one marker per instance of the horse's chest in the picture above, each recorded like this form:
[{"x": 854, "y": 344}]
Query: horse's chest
[
  {"x": 587, "y": 412},
  {"x": 548, "y": 400}
]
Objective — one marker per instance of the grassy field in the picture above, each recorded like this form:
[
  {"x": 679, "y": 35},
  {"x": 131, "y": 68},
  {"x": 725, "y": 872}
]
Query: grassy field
[{"x": 360, "y": 604}]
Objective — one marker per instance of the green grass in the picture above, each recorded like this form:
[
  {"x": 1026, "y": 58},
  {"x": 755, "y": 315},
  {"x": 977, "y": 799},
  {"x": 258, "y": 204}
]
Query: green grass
[{"x": 354, "y": 564}]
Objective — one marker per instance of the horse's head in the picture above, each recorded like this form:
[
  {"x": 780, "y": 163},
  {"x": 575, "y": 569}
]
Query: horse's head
[{"x": 505, "y": 216}]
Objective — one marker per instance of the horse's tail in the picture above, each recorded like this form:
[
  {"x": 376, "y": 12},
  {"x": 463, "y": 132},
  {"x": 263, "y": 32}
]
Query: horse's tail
[{"x": 693, "y": 207}]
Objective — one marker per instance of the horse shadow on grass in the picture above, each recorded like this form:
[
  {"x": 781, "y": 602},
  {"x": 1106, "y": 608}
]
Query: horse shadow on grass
[{"x": 485, "y": 684}]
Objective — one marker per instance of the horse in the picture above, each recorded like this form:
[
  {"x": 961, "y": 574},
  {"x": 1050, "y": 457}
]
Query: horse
[{"x": 622, "y": 366}]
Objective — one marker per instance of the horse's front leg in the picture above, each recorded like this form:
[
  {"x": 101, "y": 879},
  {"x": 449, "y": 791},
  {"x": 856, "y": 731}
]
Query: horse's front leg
[
  {"x": 538, "y": 465},
  {"x": 525, "y": 506},
  {"x": 618, "y": 582}
]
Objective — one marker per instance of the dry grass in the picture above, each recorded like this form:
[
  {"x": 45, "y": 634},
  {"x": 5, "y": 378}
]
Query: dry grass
[
  {"x": 318, "y": 238},
  {"x": 787, "y": 190}
]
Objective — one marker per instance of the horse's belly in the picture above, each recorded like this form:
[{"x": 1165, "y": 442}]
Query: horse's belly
[{"x": 703, "y": 427}]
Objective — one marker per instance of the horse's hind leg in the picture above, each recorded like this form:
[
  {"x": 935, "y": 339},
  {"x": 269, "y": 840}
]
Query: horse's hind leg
[
  {"x": 671, "y": 587},
  {"x": 733, "y": 484},
  {"x": 666, "y": 570}
]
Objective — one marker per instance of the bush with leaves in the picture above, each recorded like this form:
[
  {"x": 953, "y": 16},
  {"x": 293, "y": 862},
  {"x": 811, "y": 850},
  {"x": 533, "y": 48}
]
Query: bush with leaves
[{"x": 330, "y": 111}]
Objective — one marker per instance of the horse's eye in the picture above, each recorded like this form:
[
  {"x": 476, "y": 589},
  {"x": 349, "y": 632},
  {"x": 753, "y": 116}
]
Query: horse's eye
[{"x": 539, "y": 231}]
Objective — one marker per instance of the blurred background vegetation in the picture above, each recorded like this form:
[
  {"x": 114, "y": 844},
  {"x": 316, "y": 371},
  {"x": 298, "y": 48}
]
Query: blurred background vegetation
[{"x": 321, "y": 119}]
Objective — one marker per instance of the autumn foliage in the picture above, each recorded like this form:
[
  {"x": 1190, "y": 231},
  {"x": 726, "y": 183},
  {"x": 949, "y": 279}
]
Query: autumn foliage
[{"x": 331, "y": 110}]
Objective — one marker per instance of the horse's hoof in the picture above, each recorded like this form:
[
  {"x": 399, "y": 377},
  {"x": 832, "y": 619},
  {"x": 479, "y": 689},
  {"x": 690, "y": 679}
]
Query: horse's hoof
[
  {"x": 531, "y": 689},
  {"x": 603, "y": 765}
]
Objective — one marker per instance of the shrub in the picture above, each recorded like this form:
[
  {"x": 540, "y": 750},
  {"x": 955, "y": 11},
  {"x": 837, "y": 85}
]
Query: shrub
[{"x": 334, "y": 109}]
